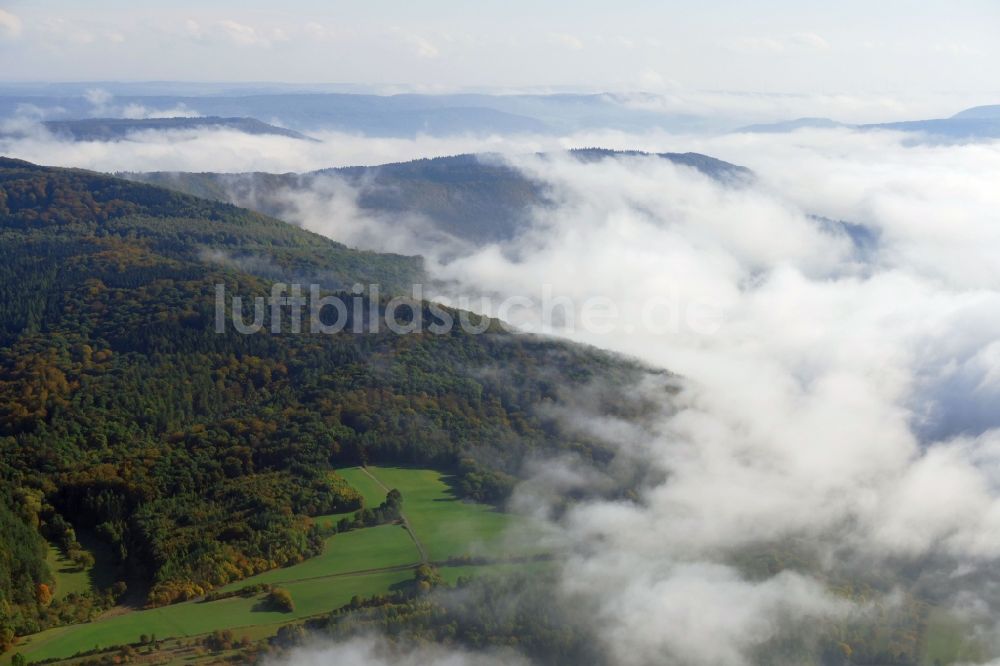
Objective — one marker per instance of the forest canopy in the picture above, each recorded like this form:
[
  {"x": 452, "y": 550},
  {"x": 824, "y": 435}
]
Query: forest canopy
[{"x": 199, "y": 458}]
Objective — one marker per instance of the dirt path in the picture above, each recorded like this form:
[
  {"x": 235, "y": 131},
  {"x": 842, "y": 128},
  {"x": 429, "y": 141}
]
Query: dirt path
[{"x": 402, "y": 516}]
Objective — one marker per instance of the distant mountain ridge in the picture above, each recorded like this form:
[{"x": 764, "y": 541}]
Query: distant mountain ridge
[
  {"x": 791, "y": 125},
  {"x": 401, "y": 115},
  {"x": 981, "y": 122},
  {"x": 956, "y": 127},
  {"x": 476, "y": 198},
  {"x": 114, "y": 129},
  {"x": 990, "y": 112},
  {"x": 413, "y": 114}
]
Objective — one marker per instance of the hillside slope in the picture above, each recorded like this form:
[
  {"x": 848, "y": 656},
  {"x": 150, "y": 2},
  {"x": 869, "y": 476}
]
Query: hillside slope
[{"x": 197, "y": 456}]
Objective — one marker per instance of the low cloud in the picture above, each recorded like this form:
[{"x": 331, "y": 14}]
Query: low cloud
[
  {"x": 372, "y": 651},
  {"x": 98, "y": 98},
  {"x": 102, "y": 103},
  {"x": 694, "y": 613},
  {"x": 232, "y": 151},
  {"x": 133, "y": 110},
  {"x": 842, "y": 403}
]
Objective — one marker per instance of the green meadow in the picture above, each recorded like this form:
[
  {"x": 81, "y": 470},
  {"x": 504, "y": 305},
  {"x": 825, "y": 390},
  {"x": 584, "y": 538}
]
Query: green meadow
[
  {"x": 369, "y": 488},
  {"x": 949, "y": 640},
  {"x": 447, "y": 526},
  {"x": 193, "y": 618},
  {"x": 360, "y": 562},
  {"x": 358, "y": 550},
  {"x": 69, "y": 578}
]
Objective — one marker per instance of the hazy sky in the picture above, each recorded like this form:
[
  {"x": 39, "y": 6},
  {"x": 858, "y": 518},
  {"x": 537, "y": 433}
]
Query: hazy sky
[{"x": 765, "y": 45}]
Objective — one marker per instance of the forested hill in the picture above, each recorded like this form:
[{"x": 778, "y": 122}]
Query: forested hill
[
  {"x": 198, "y": 457},
  {"x": 477, "y": 198},
  {"x": 75, "y": 203},
  {"x": 115, "y": 129}
]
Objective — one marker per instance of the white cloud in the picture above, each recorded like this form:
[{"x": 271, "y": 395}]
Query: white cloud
[
  {"x": 651, "y": 80},
  {"x": 233, "y": 33},
  {"x": 424, "y": 47},
  {"x": 99, "y": 99},
  {"x": 420, "y": 45},
  {"x": 10, "y": 24},
  {"x": 242, "y": 34},
  {"x": 566, "y": 40},
  {"x": 810, "y": 40},
  {"x": 134, "y": 110},
  {"x": 758, "y": 44},
  {"x": 98, "y": 96},
  {"x": 803, "y": 414},
  {"x": 375, "y": 652},
  {"x": 193, "y": 28},
  {"x": 955, "y": 49},
  {"x": 698, "y": 614},
  {"x": 319, "y": 31}
]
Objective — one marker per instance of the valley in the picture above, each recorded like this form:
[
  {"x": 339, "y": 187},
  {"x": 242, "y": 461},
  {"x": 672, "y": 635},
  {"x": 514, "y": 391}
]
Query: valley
[{"x": 499, "y": 334}]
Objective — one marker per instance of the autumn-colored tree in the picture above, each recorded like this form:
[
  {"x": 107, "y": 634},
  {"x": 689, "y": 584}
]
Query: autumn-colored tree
[{"x": 43, "y": 594}]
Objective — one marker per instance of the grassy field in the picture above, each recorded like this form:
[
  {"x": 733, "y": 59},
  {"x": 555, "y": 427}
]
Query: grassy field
[
  {"x": 445, "y": 525},
  {"x": 363, "y": 483},
  {"x": 329, "y": 520},
  {"x": 451, "y": 574},
  {"x": 357, "y": 550},
  {"x": 373, "y": 493},
  {"x": 193, "y": 618},
  {"x": 448, "y": 527},
  {"x": 947, "y": 641},
  {"x": 69, "y": 579}
]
